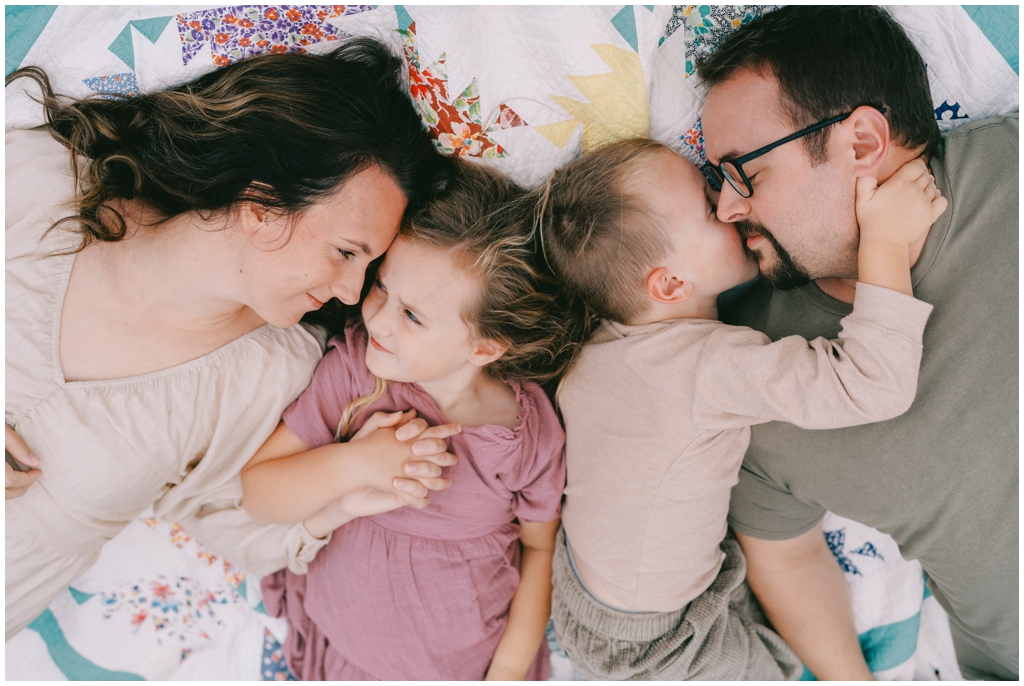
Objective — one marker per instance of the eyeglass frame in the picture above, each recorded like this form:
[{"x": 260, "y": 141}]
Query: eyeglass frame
[{"x": 715, "y": 175}]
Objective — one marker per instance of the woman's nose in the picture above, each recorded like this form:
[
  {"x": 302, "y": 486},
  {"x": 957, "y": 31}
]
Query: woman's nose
[
  {"x": 348, "y": 288},
  {"x": 731, "y": 206}
]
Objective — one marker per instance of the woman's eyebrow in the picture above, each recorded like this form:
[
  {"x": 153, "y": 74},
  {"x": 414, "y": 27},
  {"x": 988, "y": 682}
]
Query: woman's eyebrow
[{"x": 359, "y": 244}]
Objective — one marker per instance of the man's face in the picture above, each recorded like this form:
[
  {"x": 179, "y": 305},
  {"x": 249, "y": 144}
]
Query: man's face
[{"x": 801, "y": 220}]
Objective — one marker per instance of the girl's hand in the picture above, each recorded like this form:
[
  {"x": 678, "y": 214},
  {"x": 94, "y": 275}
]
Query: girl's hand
[
  {"x": 420, "y": 448},
  {"x": 901, "y": 210},
  {"x": 17, "y": 482}
]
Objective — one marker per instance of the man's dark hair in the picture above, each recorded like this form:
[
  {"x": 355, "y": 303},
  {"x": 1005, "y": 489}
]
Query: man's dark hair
[{"x": 829, "y": 60}]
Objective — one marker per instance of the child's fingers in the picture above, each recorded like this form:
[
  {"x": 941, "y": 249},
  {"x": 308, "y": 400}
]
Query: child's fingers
[
  {"x": 911, "y": 171},
  {"x": 411, "y": 429},
  {"x": 411, "y": 500},
  {"x": 442, "y": 431},
  {"x": 866, "y": 186},
  {"x": 435, "y": 483},
  {"x": 422, "y": 469},
  {"x": 410, "y": 487},
  {"x": 939, "y": 205}
]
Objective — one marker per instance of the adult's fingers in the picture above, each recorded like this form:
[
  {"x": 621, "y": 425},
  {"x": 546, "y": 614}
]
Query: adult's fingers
[
  {"x": 17, "y": 447},
  {"x": 16, "y": 483},
  {"x": 435, "y": 483}
]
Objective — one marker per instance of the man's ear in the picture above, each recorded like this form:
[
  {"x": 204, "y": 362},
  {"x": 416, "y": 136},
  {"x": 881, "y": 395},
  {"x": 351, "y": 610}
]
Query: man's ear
[
  {"x": 664, "y": 287},
  {"x": 485, "y": 351},
  {"x": 869, "y": 133}
]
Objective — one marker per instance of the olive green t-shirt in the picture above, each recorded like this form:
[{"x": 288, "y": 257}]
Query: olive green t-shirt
[{"x": 942, "y": 478}]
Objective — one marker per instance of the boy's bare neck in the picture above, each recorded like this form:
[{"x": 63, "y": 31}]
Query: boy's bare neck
[{"x": 694, "y": 308}]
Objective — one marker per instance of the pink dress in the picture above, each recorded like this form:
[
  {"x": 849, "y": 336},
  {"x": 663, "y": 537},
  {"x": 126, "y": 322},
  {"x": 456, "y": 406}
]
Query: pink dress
[{"x": 419, "y": 594}]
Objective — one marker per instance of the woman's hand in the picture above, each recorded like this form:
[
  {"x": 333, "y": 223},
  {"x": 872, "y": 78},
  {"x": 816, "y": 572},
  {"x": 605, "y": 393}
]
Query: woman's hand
[
  {"x": 16, "y": 482},
  {"x": 361, "y": 502},
  {"x": 427, "y": 442}
]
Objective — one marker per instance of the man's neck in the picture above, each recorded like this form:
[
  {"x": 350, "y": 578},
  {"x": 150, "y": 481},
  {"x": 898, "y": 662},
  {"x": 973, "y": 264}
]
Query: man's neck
[{"x": 844, "y": 290}]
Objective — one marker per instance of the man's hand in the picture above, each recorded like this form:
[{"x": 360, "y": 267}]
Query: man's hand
[
  {"x": 807, "y": 600},
  {"x": 17, "y": 482}
]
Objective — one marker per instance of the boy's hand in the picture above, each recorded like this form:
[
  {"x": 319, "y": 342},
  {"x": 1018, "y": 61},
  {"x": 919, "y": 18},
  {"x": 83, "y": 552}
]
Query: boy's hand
[{"x": 901, "y": 210}]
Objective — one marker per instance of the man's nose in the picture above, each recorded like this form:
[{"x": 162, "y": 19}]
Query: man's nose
[
  {"x": 347, "y": 288},
  {"x": 731, "y": 205}
]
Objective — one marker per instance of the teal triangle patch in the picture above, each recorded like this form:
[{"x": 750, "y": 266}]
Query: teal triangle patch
[
  {"x": 625, "y": 23},
  {"x": 649, "y": 8},
  {"x": 79, "y": 596},
  {"x": 404, "y": 20},
  {"x": 124, "y": 48},
  {"x": 76, "y": 667},
  {"x": 242, "y": 590},
  {"x": 23, "y": 24},
  {"x": 151, "y": 28}
]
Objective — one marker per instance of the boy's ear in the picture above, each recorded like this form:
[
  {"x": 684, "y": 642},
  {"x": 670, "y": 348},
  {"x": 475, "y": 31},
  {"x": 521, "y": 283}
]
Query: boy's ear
[
  {"x": 486, "y": 350},
  {"x": 664, "y": 287}
]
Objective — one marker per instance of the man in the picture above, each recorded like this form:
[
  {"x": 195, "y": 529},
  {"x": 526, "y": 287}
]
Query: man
[{"x": 942, "y": 479}]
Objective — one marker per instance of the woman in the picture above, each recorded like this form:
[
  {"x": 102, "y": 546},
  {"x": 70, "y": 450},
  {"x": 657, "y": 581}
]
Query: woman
[{"x": 151, "y": 346}]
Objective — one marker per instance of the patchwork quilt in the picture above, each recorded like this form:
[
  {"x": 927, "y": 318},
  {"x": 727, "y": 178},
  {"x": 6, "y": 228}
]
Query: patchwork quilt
[{"x": 524, "y": 89}]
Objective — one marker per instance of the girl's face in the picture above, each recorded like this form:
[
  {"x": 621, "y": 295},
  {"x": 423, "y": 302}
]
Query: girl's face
[
  {"x": 705, "y": 251},
  {"x": 413, "y": 316}
]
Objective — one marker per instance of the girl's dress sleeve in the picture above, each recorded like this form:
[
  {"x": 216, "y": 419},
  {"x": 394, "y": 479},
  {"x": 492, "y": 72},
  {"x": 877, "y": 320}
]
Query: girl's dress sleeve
[
  {"x": 539, "y": 479},
  {"x": 315, "y": 414}
]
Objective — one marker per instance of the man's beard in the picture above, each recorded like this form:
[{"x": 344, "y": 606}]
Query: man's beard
[{"x": 785, "y": 274}]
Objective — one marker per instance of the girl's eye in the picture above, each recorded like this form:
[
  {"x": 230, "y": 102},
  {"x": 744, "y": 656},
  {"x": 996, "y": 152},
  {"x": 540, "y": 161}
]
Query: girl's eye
[
  {"x": 412, "y": 317},
  {"x": 378, "y": 284},
  {"x": 347, "y": 254}
]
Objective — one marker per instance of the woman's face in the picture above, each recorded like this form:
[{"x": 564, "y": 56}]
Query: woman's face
[{"x": 295, "y": 264}]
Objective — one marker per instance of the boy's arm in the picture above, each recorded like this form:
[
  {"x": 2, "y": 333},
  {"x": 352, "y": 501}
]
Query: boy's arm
[
  {"x": 803, "y": 593},
  {"x": 869, "y": 373},
  {"x": 531, "y": 605}
]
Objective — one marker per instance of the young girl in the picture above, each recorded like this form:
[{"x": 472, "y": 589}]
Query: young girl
[{"x": 455, "y": 323}]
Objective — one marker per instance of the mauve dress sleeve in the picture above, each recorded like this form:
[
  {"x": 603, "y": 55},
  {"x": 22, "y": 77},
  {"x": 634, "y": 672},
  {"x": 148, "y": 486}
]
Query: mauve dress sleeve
[
  {"x": 314, "y": 415},
  {"x": 539, "y": 477}
]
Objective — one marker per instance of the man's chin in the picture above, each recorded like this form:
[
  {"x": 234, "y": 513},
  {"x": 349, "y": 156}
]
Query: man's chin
[{"x": 780, "y": 276}]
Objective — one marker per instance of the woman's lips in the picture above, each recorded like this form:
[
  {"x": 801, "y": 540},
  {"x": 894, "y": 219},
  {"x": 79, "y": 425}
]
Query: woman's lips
[
  {"x": 378, "y": 346},
  {"x": 316, "y": 303}
]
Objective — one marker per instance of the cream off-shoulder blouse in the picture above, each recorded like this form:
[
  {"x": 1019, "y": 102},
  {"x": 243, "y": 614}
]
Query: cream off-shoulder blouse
[{"x": 176, "y": 438}]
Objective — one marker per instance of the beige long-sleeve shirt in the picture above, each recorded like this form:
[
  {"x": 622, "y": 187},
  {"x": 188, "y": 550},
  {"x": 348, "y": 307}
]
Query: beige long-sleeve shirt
[
  {"x": 176, "y": 438},
  {"x": 657, "y": 423}
]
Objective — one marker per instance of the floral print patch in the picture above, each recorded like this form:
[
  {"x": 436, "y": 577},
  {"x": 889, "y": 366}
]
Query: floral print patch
[
  {"x": 113, "y": 85},
  {"x": 235, "y": 33},
  {"x": 694, "y": 140},
  {"x": 273, "y": 666},
  {"x": 707, "y": 26},
  {"x": 454, "y": 124}
]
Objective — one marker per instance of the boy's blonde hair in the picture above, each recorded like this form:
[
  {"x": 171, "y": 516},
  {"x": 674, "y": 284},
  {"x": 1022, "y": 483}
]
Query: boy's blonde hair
[{"x": 598, "y": 232}]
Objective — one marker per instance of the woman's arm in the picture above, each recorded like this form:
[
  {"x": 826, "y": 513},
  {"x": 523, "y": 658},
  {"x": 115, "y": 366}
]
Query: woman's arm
[
  {"x": 531, "y": 605},
  {"x": 287, "y": 482}
]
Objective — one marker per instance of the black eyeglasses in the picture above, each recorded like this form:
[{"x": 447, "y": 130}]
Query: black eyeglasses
[{"x": 731, "y": 169}]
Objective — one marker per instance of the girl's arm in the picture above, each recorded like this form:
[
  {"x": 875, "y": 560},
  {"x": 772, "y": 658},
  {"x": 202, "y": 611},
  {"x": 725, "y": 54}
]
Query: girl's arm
[
  {"x": 531, "y": 605},
  {"x": 287, "y": 482}
]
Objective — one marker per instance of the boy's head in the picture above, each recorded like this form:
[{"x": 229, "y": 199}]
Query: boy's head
[{"x": 629, "y": 227}]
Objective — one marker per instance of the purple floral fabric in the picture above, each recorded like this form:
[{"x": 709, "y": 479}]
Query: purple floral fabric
[{"x": 235, "y": 33}]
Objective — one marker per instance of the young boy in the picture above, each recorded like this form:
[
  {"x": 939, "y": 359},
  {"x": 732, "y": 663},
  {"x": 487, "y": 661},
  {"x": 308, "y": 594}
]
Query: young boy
[{"x": 657, "y": 408}]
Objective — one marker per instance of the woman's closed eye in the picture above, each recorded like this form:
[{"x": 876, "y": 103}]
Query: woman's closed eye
[{"x": 347, "y": 254}]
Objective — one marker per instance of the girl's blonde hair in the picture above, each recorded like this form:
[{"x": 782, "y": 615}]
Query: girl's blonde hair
[{"x": 486, "y": 223}]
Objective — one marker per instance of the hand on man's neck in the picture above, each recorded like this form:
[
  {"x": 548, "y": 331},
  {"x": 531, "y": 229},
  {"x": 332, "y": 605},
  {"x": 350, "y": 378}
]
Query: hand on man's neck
[{"x": 844, "y": 290}]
